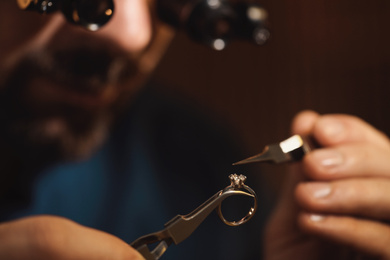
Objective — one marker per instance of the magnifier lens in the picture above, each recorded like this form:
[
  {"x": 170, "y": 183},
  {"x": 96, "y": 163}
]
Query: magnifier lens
[
  {"x": 212, "y": 22},
  {"x": 91, "y": 14},
  {"x": 252, "y": 19}
]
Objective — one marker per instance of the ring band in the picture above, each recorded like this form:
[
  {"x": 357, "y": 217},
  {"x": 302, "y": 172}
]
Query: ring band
[{"x": 237, "y": 183}]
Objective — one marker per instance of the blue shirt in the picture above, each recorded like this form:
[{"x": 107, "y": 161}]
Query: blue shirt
[{"x": 161, "y": 160}]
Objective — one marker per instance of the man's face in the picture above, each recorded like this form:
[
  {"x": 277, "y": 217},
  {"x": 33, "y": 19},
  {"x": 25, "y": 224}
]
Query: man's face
[{"x": 60, "y": 85}]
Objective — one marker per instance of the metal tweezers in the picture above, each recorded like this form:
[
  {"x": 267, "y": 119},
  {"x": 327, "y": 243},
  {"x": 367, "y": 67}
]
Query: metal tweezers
[
  {"x": 291, "y": 149},
  {"x": 180, "y": 227}
]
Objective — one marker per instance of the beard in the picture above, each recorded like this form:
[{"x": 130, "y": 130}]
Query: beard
[{"x": 59, "y": 103}]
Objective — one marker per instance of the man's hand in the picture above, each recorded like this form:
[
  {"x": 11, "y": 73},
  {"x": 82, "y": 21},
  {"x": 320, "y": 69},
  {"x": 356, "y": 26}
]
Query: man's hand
[
  {"x": 336, "y": 203},
  {"x": 55, "y": 238}
]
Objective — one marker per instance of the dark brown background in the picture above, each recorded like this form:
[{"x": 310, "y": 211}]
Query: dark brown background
[{"x": 330, "y": 56}]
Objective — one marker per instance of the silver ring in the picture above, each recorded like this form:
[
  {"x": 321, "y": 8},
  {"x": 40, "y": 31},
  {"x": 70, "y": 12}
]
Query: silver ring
[{"x": 237, "y": 183}]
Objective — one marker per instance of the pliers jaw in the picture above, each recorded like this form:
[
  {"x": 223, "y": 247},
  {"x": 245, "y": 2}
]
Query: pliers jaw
[{"x": 181, "y": 227}]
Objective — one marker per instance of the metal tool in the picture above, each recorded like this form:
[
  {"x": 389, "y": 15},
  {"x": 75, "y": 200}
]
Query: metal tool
[
  {"x": 89, "y": 14},
  {"x": 216, "y": 22},
  {"x": 181, "y": 227},
  {"x": 291, "y": 149}
]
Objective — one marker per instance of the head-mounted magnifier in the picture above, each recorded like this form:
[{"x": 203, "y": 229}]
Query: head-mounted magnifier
[
  {"x": 91, "y": 14},
  {"x": 216, "y": 22},
  {"x": 211, "y": 22}
]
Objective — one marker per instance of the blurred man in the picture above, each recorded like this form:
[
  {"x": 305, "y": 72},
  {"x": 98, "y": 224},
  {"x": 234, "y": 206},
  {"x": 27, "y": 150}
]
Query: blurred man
[
  {"x": 60, "y": 88},
  {"x": 81, "y": 141},
  {"x": 76, "y": 158},
  {"x": 63, "y": 84}
]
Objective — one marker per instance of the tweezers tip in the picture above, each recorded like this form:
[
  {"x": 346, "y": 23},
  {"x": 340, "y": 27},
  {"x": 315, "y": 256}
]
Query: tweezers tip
[
  {"x": 239, "y": 162},
  {"x": 257, "y": 158}
]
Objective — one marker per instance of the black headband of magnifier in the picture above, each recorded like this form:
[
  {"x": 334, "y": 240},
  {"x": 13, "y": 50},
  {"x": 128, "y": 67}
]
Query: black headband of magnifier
[{"x": 212, "y": 22}]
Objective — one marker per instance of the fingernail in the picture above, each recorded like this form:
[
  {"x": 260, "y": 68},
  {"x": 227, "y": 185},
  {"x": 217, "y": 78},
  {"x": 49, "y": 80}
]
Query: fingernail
[
  {"x": 333, "y": 128},
  {"x": 328, "y": 158},
  {"x": 318, "y": 190},
  {"x": 316, "y": 217}
]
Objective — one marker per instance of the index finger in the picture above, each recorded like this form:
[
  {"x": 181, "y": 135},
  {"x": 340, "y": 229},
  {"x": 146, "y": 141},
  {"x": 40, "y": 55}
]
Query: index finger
[{"x": 337, "y": 129}]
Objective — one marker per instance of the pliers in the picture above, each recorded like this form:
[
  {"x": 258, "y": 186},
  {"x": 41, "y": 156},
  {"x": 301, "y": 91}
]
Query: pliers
[{"x": 180, "y": 227}]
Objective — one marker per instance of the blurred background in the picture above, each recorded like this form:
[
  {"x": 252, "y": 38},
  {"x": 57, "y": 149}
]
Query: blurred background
[{"x": 329, "y": 56}]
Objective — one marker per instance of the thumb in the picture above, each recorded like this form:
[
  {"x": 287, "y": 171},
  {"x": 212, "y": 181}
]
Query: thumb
[{"x": 49, "y": 237}]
